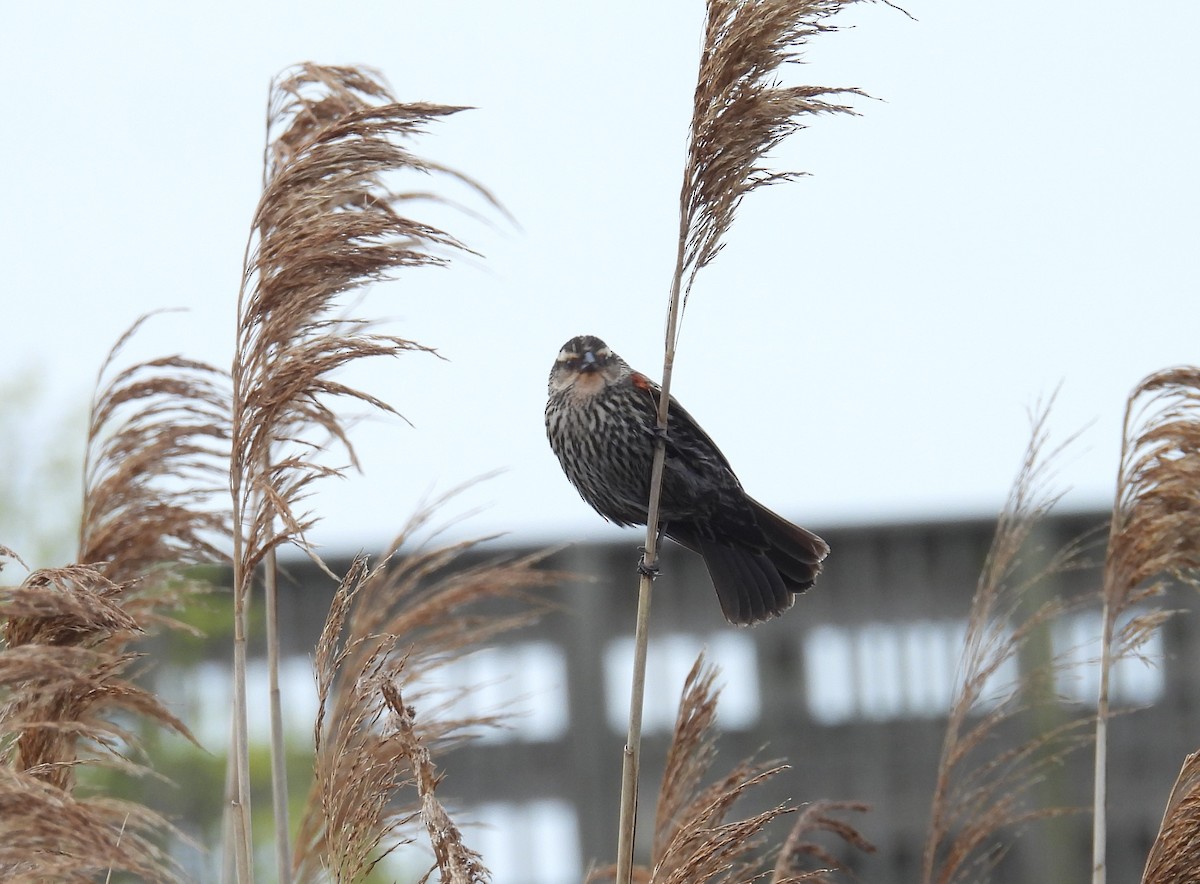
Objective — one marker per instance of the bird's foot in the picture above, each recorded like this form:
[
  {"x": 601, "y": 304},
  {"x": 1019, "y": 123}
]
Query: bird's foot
[
  {"x": 657, "y": 433},
  {"x": 644, "y": 567}
]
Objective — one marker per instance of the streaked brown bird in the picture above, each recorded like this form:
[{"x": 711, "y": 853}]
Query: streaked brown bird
[{"x": 601, "y": 419}]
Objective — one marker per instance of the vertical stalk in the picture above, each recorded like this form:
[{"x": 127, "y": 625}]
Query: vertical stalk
[
  {"x": 631, "y": 759},
  {"x": 279, "y": 786},
  {"x": 1112, "y": 593},
  {"x": 1100, "y": 773},
  {"x": 227, "y": 819},
  {"x": 240, "y": 802}
]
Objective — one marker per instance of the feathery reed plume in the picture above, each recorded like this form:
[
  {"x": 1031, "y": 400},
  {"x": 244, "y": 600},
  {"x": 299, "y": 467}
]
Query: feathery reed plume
[
  {"x": 60, "y": 685},
  {"x": 1175, "y": 854},
  {"x": 456, "y": 862},
  {"x": 798, "y": 850},
  {"x": 387, "y": 628},
  {"x": 154, "y": 438},
  {"x": 327, "y": 223},
  {"x": 739, "y": 114},
  {"x": 693, "y": 838},
  {"x": 54, "y": 670},
  {"x": 982, "y": 795},
  {"x": 157, "y": 455},
  {"x": 48, "y": 834},
  {"x": 1156, "y": 520},
  {"x": 6, "y": 553}
]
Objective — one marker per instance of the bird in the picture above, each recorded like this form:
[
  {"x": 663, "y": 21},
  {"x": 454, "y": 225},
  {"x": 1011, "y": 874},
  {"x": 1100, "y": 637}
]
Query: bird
[{"x": 601, "y": 420}]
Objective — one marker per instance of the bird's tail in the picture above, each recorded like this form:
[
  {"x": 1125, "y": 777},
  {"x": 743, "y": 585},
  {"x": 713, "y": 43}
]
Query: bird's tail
[
  {"x": 749, "y": 587},
  {"x": 756, "y": 584},
  {"x": 796, "y": 552}
]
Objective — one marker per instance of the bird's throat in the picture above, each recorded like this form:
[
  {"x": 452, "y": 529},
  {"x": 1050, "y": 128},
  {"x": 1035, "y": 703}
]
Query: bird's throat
[{"x": 587, "y": 384}]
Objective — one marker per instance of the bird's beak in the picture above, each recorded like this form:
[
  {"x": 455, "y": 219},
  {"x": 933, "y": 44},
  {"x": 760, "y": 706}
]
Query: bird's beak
[{"x": 589, "y": 362}]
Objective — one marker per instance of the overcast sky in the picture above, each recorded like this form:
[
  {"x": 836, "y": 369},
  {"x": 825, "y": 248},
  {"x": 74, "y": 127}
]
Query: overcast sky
[{"x": 1017, "y": 211}]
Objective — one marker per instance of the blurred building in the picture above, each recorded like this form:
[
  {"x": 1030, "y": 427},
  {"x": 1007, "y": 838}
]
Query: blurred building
[{"x": 851, "y": 687}]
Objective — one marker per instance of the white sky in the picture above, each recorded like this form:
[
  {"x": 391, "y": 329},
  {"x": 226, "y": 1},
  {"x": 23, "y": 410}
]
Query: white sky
[{"x": 1019, "y": 211}]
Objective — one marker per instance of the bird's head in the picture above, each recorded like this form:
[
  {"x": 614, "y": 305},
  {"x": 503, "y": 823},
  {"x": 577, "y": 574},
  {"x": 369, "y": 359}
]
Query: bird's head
[{"x": 585, "y": 366}]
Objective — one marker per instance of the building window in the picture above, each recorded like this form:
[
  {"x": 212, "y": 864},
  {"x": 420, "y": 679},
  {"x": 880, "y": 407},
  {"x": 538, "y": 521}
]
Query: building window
[
  {"x": 1135, "y": 681},
  {"x": 528, "y": 842},
  {"x": 669, "y": 658},
  {"x": 509, "y": 835},
  {"x": 882, "y": 671},
  {"x": 525, "y": 683}
]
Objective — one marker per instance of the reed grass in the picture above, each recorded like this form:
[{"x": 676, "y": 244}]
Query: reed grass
[
  {"x": 155, "y": 438},
  {"x": 1152, "y": 536},
  {"x": 983, "y": 796},
  {"x": 697, "y": 836},
  {"x": 168, "y": 437},
  {"x": 1175, "y": 854},
  {"x": 739, "y": 113},
  {"x": 388, "y": 626},
  {"x": 329, "y": 221}
]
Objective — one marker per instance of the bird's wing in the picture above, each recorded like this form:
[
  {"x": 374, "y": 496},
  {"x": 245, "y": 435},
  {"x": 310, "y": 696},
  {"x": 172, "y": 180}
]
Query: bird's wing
[{"x": 698, "y": 480}]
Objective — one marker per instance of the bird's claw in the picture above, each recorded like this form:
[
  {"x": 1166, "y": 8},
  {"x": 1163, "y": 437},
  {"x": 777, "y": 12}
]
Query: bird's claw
[
  {"x": 657, "y": 433},
  {"x": 644, "y": 567}
]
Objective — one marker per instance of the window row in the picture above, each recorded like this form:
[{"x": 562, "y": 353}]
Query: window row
[{"x": 866, "y": 672}]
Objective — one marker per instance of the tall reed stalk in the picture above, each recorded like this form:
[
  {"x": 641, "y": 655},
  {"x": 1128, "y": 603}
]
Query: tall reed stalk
[
  {"x": 739, "y": 114},
  {"x": 1155, "y": 523},
  {"x": 329, "y": 221}
]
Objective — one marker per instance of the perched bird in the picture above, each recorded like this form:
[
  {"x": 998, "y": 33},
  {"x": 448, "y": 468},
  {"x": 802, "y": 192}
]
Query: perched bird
[{"x": 601, "y": 419}]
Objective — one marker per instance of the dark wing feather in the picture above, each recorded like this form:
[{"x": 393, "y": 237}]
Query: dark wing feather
[{"x": 749, "y": 586}]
